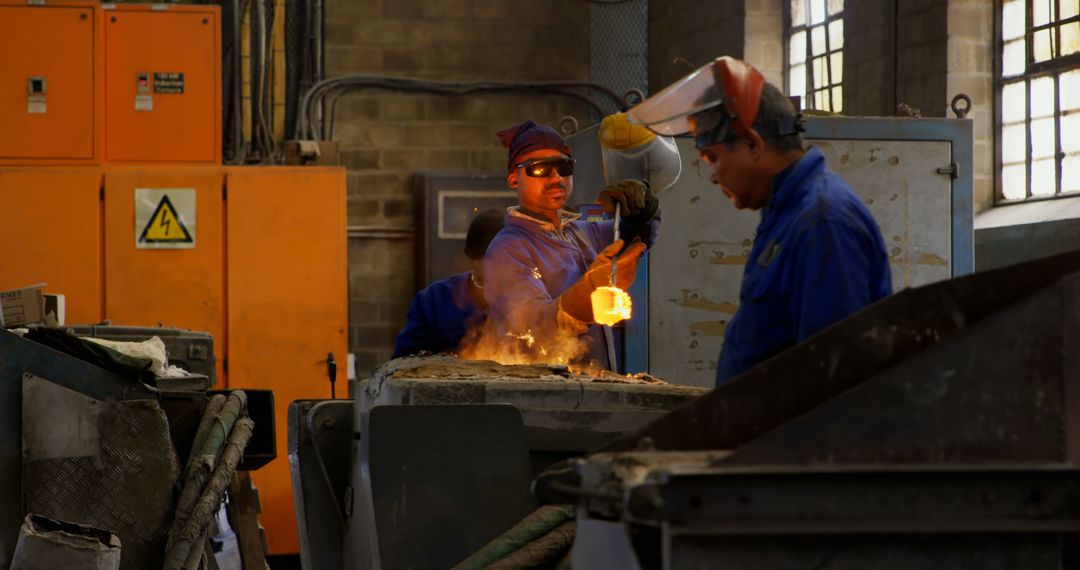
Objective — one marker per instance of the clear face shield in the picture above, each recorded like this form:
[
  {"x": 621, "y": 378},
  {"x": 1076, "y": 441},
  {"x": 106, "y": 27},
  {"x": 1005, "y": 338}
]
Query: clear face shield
[
  {"x": 729, "y": 83},
  {"x": 633, "y": 152}
]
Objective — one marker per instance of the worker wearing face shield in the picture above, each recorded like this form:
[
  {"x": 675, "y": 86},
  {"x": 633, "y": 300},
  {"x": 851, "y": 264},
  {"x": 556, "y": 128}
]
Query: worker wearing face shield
[
  {"x": 444, "y": 312},
  {"x": 818, "y": 255},
  {"x": 544, "y": 265}
]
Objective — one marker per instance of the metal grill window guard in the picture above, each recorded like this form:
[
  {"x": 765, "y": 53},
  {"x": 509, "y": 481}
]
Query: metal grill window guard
[
  {"x": 814, "y": 36},
  {"x": 1038, "y": 82}
]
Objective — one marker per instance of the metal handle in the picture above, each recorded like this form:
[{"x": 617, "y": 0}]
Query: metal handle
[{"x": 331, "y": 372}]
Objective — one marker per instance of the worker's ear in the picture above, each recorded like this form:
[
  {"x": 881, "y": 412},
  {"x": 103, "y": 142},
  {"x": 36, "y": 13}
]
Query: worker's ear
[
  {"x": 512, "y": 179},
  {"x": 755, "y": 144}
]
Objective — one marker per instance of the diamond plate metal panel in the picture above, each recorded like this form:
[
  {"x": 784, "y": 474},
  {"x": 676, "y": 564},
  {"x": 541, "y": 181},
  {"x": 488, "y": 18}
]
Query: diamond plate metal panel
[
  {"x": 130, "y": 494},
  {"x": 619, "y": 45}
]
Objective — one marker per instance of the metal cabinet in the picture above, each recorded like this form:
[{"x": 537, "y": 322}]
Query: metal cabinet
[
  {"x": 287, "y": 305},
  {"x": 182, "y": 288},
  {"x": 162, "y": 84},
  {"x": 50, "y": 224},
  {"x": 49, "y": 91}
]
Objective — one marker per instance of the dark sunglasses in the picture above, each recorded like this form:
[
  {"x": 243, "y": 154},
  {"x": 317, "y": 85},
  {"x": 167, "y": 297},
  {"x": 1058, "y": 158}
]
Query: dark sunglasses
[{"x": 542, "y": 167}]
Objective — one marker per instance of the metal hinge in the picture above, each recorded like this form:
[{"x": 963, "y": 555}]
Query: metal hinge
[{"x": 953, "y": 170}]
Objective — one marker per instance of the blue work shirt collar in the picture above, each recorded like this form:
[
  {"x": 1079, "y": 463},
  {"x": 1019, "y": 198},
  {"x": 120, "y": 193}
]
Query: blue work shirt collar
[
  {"x": 565, "y": 217},
  {"x": 787, "y": 183}
]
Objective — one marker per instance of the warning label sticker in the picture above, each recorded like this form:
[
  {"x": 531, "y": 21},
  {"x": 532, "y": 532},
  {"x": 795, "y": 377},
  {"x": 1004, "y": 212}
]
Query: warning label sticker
[{"x": 165, "y": 218}]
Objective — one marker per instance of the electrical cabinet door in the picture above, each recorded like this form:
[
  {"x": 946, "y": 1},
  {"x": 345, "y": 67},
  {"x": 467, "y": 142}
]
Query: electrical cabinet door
[
  {"x": 50, "y": 223},
  {"x": 162, "y": 84},
  {"x": 48, "y": 98},
  {"x": 287, "y": 290},
  {"x": 181, "y": 288}
]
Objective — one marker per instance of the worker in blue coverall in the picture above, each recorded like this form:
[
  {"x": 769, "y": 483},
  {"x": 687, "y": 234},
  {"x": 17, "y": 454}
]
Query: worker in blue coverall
[
  {"x": 544, "y": 265},
  {"x": 818, "y": 255},
  {"x": 442, "y": 314}
]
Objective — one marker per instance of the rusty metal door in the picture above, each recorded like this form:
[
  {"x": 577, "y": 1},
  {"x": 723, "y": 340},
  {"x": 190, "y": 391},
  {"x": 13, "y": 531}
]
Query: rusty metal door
[{"x": 697, "y": 265}]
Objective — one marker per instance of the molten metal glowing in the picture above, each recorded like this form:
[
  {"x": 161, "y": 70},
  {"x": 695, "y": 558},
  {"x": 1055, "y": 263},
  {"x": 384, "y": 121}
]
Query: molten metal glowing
[{"x": 610, "y": 305}]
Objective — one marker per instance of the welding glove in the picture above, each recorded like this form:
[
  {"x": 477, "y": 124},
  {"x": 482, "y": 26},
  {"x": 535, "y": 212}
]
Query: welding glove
[
  {"x": 638, "y": 202},
  {"x": 577, "y": 300}
]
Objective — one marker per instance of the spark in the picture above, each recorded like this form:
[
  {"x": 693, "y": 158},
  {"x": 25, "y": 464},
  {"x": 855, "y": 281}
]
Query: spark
[
  {"x": 536, "y": 273},
  {"x": 526, "y": 336}
]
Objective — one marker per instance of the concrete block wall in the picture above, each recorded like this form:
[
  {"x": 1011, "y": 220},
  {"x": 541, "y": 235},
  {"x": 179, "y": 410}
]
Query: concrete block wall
[
  {"x": 764, "y": 24},
  {"x": 869, "y": 68},
  {"x": 971, "y": 71},
  {"x": 686, "y": 34},
  {"x": 385, "y": 137}
]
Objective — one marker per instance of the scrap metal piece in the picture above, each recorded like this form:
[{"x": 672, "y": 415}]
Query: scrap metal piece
[{"x": 125, "y": 485}]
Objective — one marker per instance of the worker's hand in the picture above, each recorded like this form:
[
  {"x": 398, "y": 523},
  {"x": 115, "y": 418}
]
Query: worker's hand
[
  {"x": 577, "y": 300},
  {"x": 636, "y": 198},
  {"x": 627, "y": 264}
]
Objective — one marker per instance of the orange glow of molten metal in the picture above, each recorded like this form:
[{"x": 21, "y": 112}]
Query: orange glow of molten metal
[{"x": 610, "y": 305}]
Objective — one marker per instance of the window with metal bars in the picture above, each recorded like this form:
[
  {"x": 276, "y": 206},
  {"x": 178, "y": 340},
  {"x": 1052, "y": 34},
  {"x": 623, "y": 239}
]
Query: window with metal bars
[
  {"x": 815, "y": 64},
  {"x": 1038, "y": 114}
]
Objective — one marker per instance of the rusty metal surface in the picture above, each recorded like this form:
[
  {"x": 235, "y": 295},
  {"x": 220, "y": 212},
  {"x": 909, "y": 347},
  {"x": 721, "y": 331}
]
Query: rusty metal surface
[
  {"x": 563, "y": 411},
  {"x": 994, "y": 392},
  {"x": 705, "y": 513},
  {"x": 426, "y": 496},
  {"x": 950, "y": 552},
  {"x": 19, "y": 356},
  {"x": 128, "y": 491},
  {"x": 857, "y": 350},
  {"x": 320, "y": 461}
]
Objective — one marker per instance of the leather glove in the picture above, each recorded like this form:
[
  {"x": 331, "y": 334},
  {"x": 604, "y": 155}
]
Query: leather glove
[
  {"x": 577, "y": 300},
  {"x": 638, "y": 202}
]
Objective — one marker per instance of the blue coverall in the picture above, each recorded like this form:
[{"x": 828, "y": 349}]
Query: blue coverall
[
  {"x": 531, "y": 262},
  {"x": 439, "y": 317},
  {"x": 818, "y": 257}
]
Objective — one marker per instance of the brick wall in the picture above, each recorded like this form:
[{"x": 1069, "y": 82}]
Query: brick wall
[
  {"x": 385, "y": 137},
  {"x": 761, "y": 46},
  {"x": 971, "y": 71},
  {"x": 869, "y": 67},
  {"x": 921, "y": 53},
  {"x": 696, "y": 32}
]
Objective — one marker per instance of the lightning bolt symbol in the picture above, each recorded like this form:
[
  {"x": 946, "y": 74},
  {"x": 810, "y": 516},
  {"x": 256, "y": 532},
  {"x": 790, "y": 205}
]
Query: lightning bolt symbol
[{"x": 165, "y": 221}]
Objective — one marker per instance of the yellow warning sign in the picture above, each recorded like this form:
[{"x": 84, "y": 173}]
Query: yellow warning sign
[{"x": 165, "y": 226}]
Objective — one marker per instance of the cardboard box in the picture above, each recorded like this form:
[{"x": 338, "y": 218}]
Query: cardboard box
[
  {"x": 55, "y": 310},
  {"x": 24, "y": 306}
]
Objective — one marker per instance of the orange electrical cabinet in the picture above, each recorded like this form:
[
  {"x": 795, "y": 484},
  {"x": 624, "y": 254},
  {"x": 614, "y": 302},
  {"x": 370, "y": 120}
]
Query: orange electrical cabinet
[
  {"x": 162, "y": 84},
  {"x": 288, "y": 295},
  {"x": 50, "y": 225},
  {"x": 182, "y": 286},
  {"x": 50, "y": 83}
]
